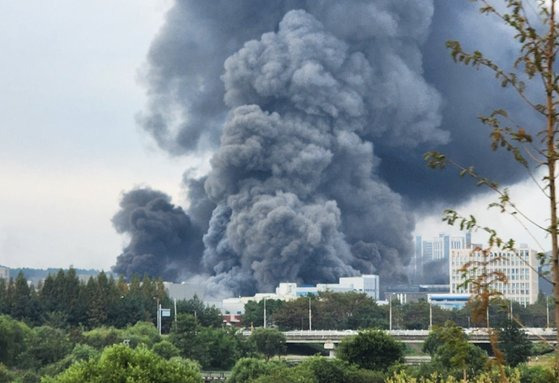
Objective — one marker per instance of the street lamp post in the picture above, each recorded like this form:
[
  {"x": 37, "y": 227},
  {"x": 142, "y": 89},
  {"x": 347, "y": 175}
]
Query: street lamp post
[
  {"x": 390, "y": 314},
  {"x": 175, "y": 302},
  {"x": 430, "y": 315},
  {"x": 264, "y": 312},
  {"x": 547, "y": 311},
  {"x": 158, "y": 315},
  {"x": 310, "y": 315}
]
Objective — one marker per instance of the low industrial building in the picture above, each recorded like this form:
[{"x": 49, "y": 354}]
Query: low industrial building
[
  {"x": 413, "y": 293},
  {"x": 449, "y": 301},
  {"x": 287, "y": 291}
]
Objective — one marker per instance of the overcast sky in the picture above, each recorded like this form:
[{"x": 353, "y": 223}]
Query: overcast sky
[{"x": 69, "y": 143}]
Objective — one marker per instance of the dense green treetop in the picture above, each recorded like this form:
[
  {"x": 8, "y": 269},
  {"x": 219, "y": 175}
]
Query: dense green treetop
[
  {"x": 268, "y": 341},
  {"x": 120, "y": 363},
  {"x": 514, "y": 343},
  {"x": 371, "y": 349}
]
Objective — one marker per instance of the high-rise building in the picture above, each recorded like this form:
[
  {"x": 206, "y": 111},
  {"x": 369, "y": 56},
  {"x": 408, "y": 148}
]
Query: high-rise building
[
  {"x": 416, "y": 264},
  {"x": 520, "y": 268},
  {"x": 431, "y": 257},
  {"x": 444, "y": 243}
]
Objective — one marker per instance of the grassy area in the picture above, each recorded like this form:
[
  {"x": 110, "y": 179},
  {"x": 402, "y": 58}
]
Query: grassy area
[
  {"x": 414, "y": 349},
  {"x": 546, "y": 360}
]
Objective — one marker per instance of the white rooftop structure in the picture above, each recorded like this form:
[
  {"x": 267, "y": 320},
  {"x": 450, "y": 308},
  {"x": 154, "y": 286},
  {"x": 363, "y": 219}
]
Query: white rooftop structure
[
  {"x": 368, "y": 284},
  {"x": 287, "y": 291}
]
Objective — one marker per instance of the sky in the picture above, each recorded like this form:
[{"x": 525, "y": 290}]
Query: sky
[
  {"x": 70, "y": 145},
  {"x": 69, "y": 141}
]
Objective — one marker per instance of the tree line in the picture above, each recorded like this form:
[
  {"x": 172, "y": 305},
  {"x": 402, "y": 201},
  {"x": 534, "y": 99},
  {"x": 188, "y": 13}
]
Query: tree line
[
  {"x": 62, "y": 301},
  {"x": 198, "y": 340},
  {"x": 138, "y": 353},
  {"x": 41, "y": 353},
  {"x": 354, "y": 310}
]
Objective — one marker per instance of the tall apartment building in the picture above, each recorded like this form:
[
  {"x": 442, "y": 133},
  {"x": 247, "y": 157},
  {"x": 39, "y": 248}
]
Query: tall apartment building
[
  {"x": 436, "y": 249},
  {"x": 520, "y": 267}
]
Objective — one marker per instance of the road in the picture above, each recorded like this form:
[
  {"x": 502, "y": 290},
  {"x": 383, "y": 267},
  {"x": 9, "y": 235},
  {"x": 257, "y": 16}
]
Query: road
[{"x": 475, "y": 335}]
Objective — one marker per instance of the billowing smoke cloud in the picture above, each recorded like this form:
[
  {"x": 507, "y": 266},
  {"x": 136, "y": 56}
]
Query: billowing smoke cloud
[
  {"x": 436, "y": 272},
  {"x": 186, "y": 109},
  {"x": 294, "y": 176},
  {"x": 318, "y": 114},
  {"x": 163, "y": 241}
]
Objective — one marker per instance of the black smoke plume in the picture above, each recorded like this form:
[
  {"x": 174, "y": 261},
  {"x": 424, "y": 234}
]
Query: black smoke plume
[
  {"x": 318, "y": 113},
  {"x": 163, "y": 240}
]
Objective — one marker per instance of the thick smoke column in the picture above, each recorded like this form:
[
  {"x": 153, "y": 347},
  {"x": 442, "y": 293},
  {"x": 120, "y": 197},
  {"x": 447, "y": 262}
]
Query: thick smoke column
[
  {"x": 163, "y": 241},
  {"x": 406, "y": 37},
  {"x": 318, "y": 118},
  {"x": 294, "y": 176}
]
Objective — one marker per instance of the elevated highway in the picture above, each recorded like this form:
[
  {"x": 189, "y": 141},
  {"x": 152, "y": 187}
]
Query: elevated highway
[{"x": 475, "y": 335}]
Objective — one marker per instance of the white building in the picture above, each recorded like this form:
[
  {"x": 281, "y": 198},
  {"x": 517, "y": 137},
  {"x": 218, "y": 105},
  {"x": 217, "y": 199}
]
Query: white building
[
  {"x": 449, "y": 301},
  {"x": 368, "y": 284},
  {"x": 288, "y": 291},
  {"x": 4, "y": 273},
  {"x": 520, "y": 268}
]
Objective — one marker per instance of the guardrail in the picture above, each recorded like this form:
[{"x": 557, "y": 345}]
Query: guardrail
[
  {"x": 478, "y": 335},
  {"x": 214, "y": 376}
]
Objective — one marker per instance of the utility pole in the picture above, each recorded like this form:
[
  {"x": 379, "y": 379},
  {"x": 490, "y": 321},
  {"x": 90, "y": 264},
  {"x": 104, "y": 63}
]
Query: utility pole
[
  {"x": 430, "y": 315},
  {"x": 158, "y": 317},
  {"x": 547, "y": 311},
  {"x": 264, "y": 312},
  {"x": 175, "y": 301},
  {"x": 310, "y": 315},
  {"x": 390, "y": 313}
]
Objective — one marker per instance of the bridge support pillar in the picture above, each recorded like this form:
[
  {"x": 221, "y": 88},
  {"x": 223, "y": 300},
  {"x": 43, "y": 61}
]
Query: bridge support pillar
[{"x": 331, "y": 347}]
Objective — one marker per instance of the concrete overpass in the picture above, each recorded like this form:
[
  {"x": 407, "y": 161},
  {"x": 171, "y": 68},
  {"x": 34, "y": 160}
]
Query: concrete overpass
[
  {"x": 330, "y": 338},
  {"x": 475, "y": 335}
]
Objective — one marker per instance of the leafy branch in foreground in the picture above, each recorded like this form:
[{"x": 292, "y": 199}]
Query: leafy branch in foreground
[{"x": 534, "y": 66}]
